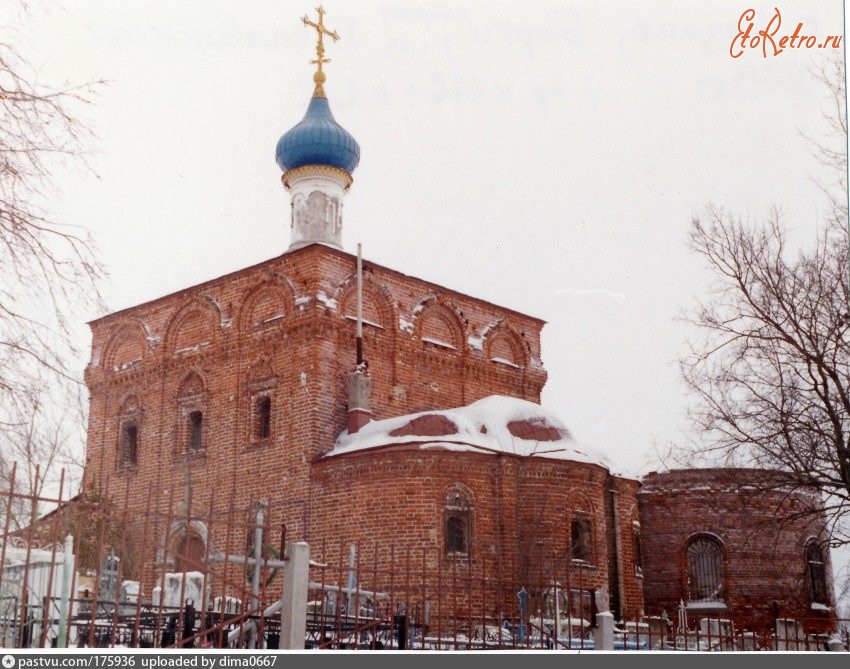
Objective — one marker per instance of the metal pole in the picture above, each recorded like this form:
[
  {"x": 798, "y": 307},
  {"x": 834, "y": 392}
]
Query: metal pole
[
  {"x": 359, "y": 338},
  {"x": 557, "y": 610},
  {"x": 67, "y": 575}
]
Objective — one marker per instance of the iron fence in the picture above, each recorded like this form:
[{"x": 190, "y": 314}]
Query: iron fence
[{"x": 190, "y": 574}]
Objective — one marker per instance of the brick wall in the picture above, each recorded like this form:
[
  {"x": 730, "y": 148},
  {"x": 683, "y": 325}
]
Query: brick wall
[
  {"x": 521, "y": 511},
  {"x": 763, "y": 547},
  {"x": 282, "y": 329}
]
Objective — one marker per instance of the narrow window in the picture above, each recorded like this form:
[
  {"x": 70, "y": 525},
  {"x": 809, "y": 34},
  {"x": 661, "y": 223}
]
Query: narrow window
[
  {"x": 580, "y": 539},
  {"x": 705, "y": 570},
  {"x": 456, "y": 533},
  {"x": 196, "y": 423},
  {"x": 457, "y": 514},
  {"x": 129, "y": 444},
  {"x": 264, "y": 417},
  {"x": 817, "y": 573}
]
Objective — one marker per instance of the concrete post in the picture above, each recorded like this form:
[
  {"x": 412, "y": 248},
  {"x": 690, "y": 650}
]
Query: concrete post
[
  {"x": 293, "y": 615},
  {"x": 603, "y": 635},
  {"x": 255, "y": 576},
  {"x": 350, "y": 605},
  {"x": 359, "y": 400},
  {"x": 64, "y": 603}
]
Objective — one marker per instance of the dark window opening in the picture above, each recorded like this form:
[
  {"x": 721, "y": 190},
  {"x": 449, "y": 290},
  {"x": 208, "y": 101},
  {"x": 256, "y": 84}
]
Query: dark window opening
[
  {"x": 705, "y": 570},
  {"x": 264, "y": 417},
  {"x": 457, "y": 524},
  {"x": 457, "y": 532},
  {"x": 817, "y": 574},
  {"x": 580, "y": 540},
  {"x": 129, "y": 444},
  {"x": 196, "y": 424}
]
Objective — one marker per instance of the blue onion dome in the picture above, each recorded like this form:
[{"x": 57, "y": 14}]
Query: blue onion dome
[{"x": 318, "y": 140}]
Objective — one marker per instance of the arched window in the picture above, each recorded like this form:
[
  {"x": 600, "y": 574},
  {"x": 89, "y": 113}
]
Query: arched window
[
  {"x": 129, "y": 454},
  {"x": 262, "y": 404},
  {"x": 581, "y": 539},
  {"x": 705, "y": 569},
  {"x": 191, "y": 398},
  {"x": 457, "y": 523},
  {"x": 129, "y": 422},
  {"x": 816, "y": 572}
]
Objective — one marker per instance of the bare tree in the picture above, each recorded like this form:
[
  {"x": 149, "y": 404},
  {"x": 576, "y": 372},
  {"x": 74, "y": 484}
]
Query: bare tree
[
  {"x": 831, "y": 152},
  {"x": 771, "y": 372},
  {"x": 42, "y": 445},
  {"x": 49, "y": 271}
]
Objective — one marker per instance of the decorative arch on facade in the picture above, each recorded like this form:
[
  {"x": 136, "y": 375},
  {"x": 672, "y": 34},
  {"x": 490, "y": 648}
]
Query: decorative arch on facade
[
  {"x": 580, "y": 502},
  {"x": 440, "y": 324},
  {"x": 503, "y": 344},
  {"x": 128, "y": 345},
  {"x": 130, "y": 404},
  {"x": 704, "y": 558},
  {"x": 458, "y": 507},
  {"x": 261, "y": 371},
  {"x": 266, "y": 303},
  {"x": 191, "y": 385},
  {"x": 378, "y": 305},
  {"x": 193, "y": 327}
]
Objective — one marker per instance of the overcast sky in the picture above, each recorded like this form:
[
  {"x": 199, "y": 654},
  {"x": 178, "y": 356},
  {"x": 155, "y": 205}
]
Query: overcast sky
[{"x": 547, "y": 156}]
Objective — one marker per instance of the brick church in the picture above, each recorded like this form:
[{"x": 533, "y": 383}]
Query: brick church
[{"x": 424, "y": 433}]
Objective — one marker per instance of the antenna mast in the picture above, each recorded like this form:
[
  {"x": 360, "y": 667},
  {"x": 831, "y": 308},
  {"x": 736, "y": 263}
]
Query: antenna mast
[{"x": 359, "y": 337}]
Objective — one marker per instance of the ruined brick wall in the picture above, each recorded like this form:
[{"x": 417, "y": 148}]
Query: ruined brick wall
[
  {"x": 763, "y": 552},
  {"x": 282, "y": 329}
]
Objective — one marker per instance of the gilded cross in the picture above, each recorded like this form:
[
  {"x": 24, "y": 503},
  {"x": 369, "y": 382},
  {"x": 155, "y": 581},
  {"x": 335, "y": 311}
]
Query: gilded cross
[{"x": 321, "y": 31}]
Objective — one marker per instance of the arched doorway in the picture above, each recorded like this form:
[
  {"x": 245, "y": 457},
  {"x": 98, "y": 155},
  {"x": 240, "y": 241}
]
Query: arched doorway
[{"x": 190, "y": 554}]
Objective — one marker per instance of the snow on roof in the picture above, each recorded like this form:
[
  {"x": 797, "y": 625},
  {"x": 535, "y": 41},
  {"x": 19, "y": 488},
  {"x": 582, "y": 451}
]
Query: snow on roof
[{"x": 495, "y": 424}]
